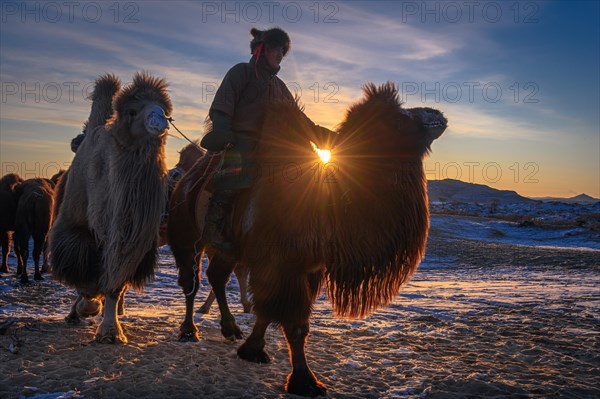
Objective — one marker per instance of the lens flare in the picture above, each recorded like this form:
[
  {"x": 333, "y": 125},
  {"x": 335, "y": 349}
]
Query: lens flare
[{"x": 325, "y": 155}]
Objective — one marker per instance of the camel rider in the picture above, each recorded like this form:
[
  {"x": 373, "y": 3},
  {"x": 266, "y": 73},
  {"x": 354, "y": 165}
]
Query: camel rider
[{"x": 237, "y": 115}]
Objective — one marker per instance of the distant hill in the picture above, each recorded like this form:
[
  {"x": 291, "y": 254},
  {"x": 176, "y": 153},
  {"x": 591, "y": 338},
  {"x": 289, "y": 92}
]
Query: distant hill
[
  {"x": 578, "y": 199},
  {"x": 450, "y": 190}
]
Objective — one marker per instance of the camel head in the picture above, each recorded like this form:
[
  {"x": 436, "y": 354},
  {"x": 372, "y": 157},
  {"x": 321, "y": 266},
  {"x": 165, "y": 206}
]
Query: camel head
[
  {"x": 142, "y": 109},
  {"x": 10, "y": 181},
  {"x": 378, "y": 126},
  {"x": 189, "y": 155}
]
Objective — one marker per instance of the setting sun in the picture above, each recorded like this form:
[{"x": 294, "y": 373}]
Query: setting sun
[{"x": 325, "y": 155}]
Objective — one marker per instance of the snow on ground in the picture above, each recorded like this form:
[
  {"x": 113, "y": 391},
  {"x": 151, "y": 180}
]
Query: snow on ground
[
  {"x": 501, "y": 231},
  {"x": 495, "y": 310}
]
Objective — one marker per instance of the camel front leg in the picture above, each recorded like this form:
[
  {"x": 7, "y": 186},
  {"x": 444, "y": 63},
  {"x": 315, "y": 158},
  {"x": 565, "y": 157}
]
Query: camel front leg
[
  {"x": 110, "y": 331},
  {"x": 73, "y": 317},
  {"x": 301, "y": 381}
]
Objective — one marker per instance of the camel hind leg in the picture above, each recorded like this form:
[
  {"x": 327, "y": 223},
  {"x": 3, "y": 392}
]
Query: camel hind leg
[
  {"x": 22, "y": 243},
  {"x": 210, "y": 299},
  {"x": 45, "y": 256},
  {"x": 38, "y": 246},
  {"x": 241, "y": 273},
  {"x": 253, "y": 349},
  {"x": 5, "y": 250},
  {"x": 218, "y": 273},
  {"x": 188, "y": 259}
]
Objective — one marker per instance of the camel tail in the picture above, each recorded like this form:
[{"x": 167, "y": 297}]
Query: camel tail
[{"x": 105, "y": 89}]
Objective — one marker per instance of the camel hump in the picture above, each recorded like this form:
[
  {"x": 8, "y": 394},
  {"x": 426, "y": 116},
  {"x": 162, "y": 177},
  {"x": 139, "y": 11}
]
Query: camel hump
[
  {"x": 386, "y": 91},
  {"x": 106, "y": 88}
]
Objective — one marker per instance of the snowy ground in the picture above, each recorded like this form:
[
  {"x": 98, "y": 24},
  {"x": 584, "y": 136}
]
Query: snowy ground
[{"x": 495, "y": 310}]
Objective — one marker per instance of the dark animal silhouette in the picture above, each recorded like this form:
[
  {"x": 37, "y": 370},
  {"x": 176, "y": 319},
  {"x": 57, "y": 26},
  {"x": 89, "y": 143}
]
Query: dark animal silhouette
[
  {"x": 188, "y": 156},
  {"x": 8, "y": 209},
  {"x": 33, "y": 219},
  {"x": 106, "y": 231},
  {"x": 357, "y": 224}
]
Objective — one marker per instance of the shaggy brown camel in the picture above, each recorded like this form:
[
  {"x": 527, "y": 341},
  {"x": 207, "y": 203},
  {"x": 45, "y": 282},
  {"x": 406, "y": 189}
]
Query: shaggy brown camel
[
  {"x": 112, "y": 197},
  {"x": 187, "y": 158},
  {"x": 357, "y": 224},
  {"x": 33, "y": 220},
  {"x": 8, "y": 209}
]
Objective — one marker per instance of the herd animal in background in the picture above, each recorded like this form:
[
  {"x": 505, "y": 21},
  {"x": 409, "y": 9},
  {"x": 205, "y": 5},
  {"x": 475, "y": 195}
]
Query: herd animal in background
[{"x": 26, "y": 211}]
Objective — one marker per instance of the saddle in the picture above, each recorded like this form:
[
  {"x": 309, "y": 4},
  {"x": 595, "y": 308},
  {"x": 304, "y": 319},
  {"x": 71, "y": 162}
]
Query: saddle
[{"x": 191, "y": 198}]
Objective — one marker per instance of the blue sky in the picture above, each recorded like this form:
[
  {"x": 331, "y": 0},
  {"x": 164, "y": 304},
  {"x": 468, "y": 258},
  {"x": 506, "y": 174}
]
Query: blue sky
[{"x": 518, "y": 81}]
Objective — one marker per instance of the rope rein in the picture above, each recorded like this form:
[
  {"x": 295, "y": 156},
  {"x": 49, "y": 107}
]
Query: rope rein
[{"x": 171, "y": 120}]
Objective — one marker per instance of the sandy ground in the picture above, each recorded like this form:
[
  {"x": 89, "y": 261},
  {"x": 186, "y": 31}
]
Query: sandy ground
[{"x": 478, "y": 320}]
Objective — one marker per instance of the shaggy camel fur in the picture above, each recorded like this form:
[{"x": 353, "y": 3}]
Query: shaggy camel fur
[
  {"x": 357, "y": 224},
  {"x": 8, "y": 209},
  {"x": 33, "y": 219},
  {"x": 112, "y": 197}
]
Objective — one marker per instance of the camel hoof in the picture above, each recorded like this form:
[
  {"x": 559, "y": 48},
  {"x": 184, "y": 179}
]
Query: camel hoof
[
  {"x": 24, "y": 279},
  {"x": 305, "y": 384},
  {"x": 191, "y": 336},
  {"x": 204, "y": 309},
  {"x": 4, "y": 269},
  {"x": 253, "y": 355},
  {"x": 111, "y": 339},
  {"x": 231, "y": 331},
  {"x": 88, "y": 307},
  {"x": 38, "y": 277}
]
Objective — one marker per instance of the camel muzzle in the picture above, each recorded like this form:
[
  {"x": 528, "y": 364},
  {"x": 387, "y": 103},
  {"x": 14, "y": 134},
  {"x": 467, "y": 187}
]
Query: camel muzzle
[{"x": 155, "y": 122}]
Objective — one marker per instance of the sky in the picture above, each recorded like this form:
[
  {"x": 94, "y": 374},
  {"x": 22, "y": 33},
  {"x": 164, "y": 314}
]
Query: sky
[{"x": 519, "y": 82}]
